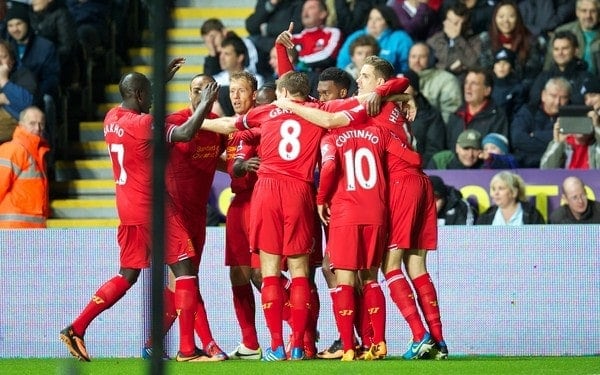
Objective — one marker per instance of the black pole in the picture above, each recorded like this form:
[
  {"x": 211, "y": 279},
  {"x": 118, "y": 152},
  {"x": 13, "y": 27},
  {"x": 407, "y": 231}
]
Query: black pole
[{"x": 158, "y": 18}]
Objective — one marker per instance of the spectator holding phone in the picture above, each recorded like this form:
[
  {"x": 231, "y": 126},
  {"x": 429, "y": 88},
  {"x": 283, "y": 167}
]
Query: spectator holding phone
[{"x": 576, "y": 150}]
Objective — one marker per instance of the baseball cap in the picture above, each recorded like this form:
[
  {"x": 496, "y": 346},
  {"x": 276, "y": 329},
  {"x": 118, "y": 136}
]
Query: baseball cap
[
  {"x": 469, "y": 138},
  {"x": 504, "y": 54},
  {"x": 592, "y": 85},
  {"x": 439, "y": 187}
]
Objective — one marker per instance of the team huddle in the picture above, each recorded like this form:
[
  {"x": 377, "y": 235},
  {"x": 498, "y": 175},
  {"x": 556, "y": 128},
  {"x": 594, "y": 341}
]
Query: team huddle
[{"x": 299, "y": 168}]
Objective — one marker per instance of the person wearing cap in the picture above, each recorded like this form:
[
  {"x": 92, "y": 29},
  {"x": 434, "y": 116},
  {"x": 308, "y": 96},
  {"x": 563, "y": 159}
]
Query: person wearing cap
[
  {"x": 428, "y": 127},
  {"x": 508, "y": 92},
  {"x": 496, "y": 153},
  {"x": 39, "y": 55},
  {"x": 479, "y": 111},
  {"x": 576, "y": 151},
  {"x": 465, "y": 155},
  {"x": 531, "y": 128},
  {"x": 452, "y": 208}
]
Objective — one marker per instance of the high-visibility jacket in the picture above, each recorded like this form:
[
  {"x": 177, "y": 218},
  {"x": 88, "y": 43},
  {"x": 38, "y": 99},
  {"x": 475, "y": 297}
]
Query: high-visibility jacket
[{"x": 23, "y": 181}]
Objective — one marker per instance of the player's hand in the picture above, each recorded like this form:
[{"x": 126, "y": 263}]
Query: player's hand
[
  {"x": 409, "y": 108},
  {"x": 252, "y": 164},
  {"x": 324, "y": 213},
  {"x": 209, "y": 93},
  {"x": 373, "y": 104},
  {"x": 174, "y": 66},
  {"x": 285, "y": 37}
]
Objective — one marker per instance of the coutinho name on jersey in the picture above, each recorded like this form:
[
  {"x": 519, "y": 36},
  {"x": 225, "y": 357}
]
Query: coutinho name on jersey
[{"x": 349, "y": 134}]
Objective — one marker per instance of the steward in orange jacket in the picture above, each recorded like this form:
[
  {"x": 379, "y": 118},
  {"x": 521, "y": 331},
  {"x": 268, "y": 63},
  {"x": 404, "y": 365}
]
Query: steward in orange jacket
[{"x": 23, "y": 180}]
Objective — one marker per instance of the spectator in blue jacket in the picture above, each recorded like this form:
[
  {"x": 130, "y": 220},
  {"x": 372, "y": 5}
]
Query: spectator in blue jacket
[
  {"x": 384, "y": 26},
  {"x": 17, "y": 90},
  {"x": 39, "y": 55}
]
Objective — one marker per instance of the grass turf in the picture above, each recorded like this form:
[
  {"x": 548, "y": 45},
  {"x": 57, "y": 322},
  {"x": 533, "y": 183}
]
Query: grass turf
[{"x": 455, "y": 366}]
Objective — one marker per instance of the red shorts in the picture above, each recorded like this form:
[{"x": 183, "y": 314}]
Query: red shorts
[
  {"x": 135, "y": 244},
  {"x": 282, "y": 216},
  {"x": 237, "y": 247},
  {"x": 356, "y": 247},
  {"x": 413, "y": 216}
]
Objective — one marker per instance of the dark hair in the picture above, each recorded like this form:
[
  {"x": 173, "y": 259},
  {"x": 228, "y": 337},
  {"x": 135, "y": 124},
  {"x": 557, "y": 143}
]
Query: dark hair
[
  {"x": 365, "y": 41},
  {"x": 389, "y": 15},
  {"x": 339, "y": 76},
  {"x": 521, "y": 36},
  {"x": 413, "y": 78},
  {"x": 566, "y": 34},
  {"x": 210, "y": 25},
  {"x": 238, "y": 46},
  {"x": 488, "y": 77},
  {"x": 461, "y": 10}
]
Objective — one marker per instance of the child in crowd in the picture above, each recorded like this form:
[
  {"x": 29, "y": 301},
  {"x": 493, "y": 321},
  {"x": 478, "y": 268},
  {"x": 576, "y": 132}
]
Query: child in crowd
[
  {"x": 508, "y": 92},
  {"x": 496, "y": 154}
]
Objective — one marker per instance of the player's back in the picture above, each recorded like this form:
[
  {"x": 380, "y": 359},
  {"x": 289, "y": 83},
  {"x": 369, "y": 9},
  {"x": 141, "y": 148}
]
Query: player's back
[
  {"x": 128, "y": 135},
  {"x": 289, "y": 144},
  {"x": 392, "y": 120},
  {"x": 358, "y": 153}
]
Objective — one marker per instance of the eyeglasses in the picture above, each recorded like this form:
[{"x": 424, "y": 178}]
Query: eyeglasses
[{"x": 580, "y": 198}]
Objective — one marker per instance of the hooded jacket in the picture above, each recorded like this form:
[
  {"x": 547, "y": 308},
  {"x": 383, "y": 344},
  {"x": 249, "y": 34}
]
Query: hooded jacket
[{"x": 24, "y": 199}]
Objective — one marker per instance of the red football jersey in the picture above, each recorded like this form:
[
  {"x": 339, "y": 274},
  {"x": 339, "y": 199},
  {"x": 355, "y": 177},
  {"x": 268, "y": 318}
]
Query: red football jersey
[
  {"x": 353, "y": 173},
  {"x": 289, "y": 145},
  {"x": 191, "y": 167},
  {"x": 243, "y": 145},
  {"x": 128, "y": 135}
]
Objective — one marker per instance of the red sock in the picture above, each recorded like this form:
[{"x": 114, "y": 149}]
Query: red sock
[
  {"x": 170, "y": 313},
  {"x": 272, "y": 304},
  {"x": 310, "y": 335},
  {"x": 344, "y": 310},
  {"x": 201, "y": 325},
  {"x": 402, "y": 295},
  {"x": 106, "y": 296},
  {"x": 186, "y": 303},
  {"x": 374, "y": 304},
  {"x": 245, "y": 308},
  {"x": 286, "y": 313},
  {"x": 429, "y": 305},
  {"x": 361, "y": 321},
  {"x": 300, "y": 307}
]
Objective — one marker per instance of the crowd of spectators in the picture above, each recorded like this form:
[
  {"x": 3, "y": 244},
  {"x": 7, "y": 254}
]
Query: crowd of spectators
[
  {"x": 65, "y": 46},
  {"x": 494, "y": 66}
]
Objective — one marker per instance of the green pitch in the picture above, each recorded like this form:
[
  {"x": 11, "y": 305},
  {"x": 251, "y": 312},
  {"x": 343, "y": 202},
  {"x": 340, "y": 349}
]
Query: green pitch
[{"x": 454, "y": 366}]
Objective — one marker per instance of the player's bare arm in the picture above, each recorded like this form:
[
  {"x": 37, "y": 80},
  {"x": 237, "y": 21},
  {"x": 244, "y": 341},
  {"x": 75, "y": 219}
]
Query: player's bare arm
[
  {"x": 186, "y": 131},
  {"x": 324, "y": 213},
  {"x": 221, "y": 125},
  {"x": 317, "y": 116}
]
